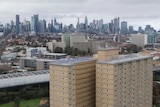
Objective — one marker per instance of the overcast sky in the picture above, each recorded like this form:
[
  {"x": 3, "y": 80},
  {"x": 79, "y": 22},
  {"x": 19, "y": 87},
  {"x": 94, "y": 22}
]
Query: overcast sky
[{"x": 135, "y": 12}]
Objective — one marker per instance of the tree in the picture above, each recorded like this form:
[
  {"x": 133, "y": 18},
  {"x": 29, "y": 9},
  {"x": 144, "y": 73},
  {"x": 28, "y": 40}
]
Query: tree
[
  {"x": 83, "y": 53},
  {"x": 59, "y": 50},
  {"x": 89, "y": 51},
  {"x": 68, "y": 50},
  {"x": 17, "y": 101},
  {"x": 156, "y": 93},
  {"x": 75, "y": 52},
  {"x": 22, "y": 93},
  {"x": 132, "y": 48}
]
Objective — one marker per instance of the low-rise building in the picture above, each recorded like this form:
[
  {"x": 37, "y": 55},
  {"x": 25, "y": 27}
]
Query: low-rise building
[
  {"x": 67, "y": 40},
  {"x": 41, "y": 62},
  {"x": 91, "y": 46}
]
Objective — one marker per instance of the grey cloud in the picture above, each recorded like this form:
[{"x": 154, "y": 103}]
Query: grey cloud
[{"x": 129, "y": 10}]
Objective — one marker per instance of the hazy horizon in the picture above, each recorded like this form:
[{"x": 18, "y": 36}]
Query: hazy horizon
[{"x": 136, "y": 13}]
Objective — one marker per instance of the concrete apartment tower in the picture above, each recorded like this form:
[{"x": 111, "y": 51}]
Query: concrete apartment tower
[
  {"x": 113, "y": 81},
  {"x": 123, "y": 80},
  {"x": 72, "y": 83}
]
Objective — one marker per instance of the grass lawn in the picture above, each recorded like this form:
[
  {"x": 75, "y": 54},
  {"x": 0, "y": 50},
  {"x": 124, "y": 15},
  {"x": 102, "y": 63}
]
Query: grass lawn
[
  {"x": 24, "y": 103},
  {"x": 10, "y": 104}
]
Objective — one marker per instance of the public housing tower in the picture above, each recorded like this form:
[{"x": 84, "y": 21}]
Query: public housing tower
[
  {"x": 72, "y": 83},
  {"x": 112, "y": 80},
  {"x": 123, "y": 81}
]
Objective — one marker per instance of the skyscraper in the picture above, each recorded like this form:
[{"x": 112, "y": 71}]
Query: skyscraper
[
  {"x": 86, "y": 23},
  {"x": 52, "y": 26},
  {"x": 140, "y": 30},
  {"x": 111, "y": 27},
  {"x": 131, "y": 30},
  {"x": 42, "y": 26},
  {"x": 77, "y": 26},
  {"x": 27, "y": 26},
  {"x": 17, "y": 24},
  {"x": 116, "y": 25},
  {"x": 124, "y": 29},
  {"x": 35, "y": 23},
  {"x": 100, "y": 24},
  {"x": 55, "y": 21}
]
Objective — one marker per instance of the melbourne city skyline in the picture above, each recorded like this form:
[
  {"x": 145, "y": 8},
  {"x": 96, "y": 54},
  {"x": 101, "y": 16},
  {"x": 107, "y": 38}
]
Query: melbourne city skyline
[{"x": 136, "y": 13}]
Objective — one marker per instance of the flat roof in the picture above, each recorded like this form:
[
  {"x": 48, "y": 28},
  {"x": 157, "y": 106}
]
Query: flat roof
[
  {"x": 125, "y": 58},
  {"x": 37, "y": 59},
  {"x": 54, "y": 54},
  {"x": 49, "y": 60},
  {"x": 72, "y": 61},
  {"x": 108, "y": 48}
]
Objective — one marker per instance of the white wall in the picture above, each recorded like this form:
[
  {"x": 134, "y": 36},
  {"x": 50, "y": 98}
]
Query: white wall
[{"x": 139, "y": 39}]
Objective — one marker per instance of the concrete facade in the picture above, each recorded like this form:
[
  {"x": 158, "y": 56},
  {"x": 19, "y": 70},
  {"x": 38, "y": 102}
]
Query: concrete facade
[
  {"x": 90, "y": 45},
  {"x": 77, "y": 38},
  {"x": 67, "y": 40},
  {"x": 139, "y": 39},
  {"x": 123, "y": 82},
  {"x": 73, "y": 85},
  {"x": 30, "y": 52},
  {"x": 119, "y": 81},
  {"x": 54, "y": 44},
  {"x": 41, "y": 62}
]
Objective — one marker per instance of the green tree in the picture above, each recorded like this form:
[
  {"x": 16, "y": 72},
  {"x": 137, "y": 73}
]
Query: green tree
[
  {"x": 68, "y": 50},
  {"x": 89, "y": 51},
  {"x": 83, "y": 53},
  {"x": 59, "y": 50},
  {"x": 17, "y": 102},
  {"x": 75, "y": 52}
]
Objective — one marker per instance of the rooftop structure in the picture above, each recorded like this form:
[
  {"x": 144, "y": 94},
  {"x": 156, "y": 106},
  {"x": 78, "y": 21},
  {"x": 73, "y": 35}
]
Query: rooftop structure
[
  {"x": 125, "y": 58},
  {"x": 48, "y": 55},
  {"x": 107, "y": 48},
  {"x": 72, "y": 61}
]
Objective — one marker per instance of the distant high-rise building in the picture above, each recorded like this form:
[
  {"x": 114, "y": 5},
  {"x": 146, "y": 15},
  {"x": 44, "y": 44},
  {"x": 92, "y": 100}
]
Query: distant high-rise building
[
  {"x": 78, "y": 25},
  {"x": 100, "y": 24},
  {"x": 131, "y": 30},
  {"x": 140, "y": 30},
  {"x": 27, "y": 26},
  {"x": 21, "y": 28},
  {"x": 34, "y": 23},
  {"x": 55, "y": 21},
  {"x": 86, "y": 23},
  {"x": 116, "y": 25},
  {"x": 149, "y": 29},
  {"x": 124, "y": 29},
  {"x": 17, "y": 24},
  {"x": 111, "y": 27},
  {"x": 42, "y": 26},
  {"x": 52, "y": 26},
  {"x": 12, "y": 24}
]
